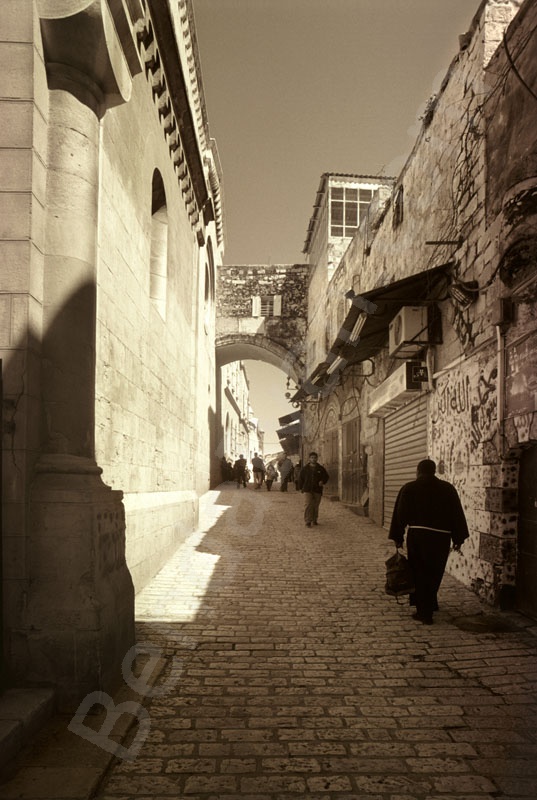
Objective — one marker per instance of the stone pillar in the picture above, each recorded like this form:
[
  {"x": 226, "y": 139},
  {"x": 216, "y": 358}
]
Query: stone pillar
[
  {"x": 80, "y": 613},
  {"x": 70, "y": 277}
]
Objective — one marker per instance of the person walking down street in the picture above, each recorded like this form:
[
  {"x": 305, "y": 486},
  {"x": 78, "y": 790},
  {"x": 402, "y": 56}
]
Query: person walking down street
[
  {"x": 311, "y": 480},
  {"x": 271, "y": 475},
  {"x": 258, "y": 468},
  {"x": 227, "y": 469},
  {"x": 239, "y": 471},
  {"x": 285, "y": 466},
  {"x": 432, "y": 510},
  {"x": 296, "y": 474}
]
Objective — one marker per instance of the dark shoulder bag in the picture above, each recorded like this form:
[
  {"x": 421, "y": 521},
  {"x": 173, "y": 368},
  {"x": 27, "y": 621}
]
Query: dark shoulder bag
[{"x": 399, "y": 576}]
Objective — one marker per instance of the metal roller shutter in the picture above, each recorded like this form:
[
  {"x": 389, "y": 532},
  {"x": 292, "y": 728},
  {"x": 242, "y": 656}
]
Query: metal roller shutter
[{"x": 405, "y": 443}]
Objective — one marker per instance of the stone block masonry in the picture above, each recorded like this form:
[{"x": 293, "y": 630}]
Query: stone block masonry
[{"x": 237, "y": 286}]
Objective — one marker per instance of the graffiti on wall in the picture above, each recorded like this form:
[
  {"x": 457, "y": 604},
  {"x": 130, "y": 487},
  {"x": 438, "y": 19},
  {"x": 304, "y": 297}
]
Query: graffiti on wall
[
  {"x": 464, "y": 329},
  {"x": 463, "y": 416},
  {"x": 453, "y": 399},
  {"x": 523, "y": 427},
  {"x": 449, "y": 411},
  {"x": 484, "y": 408}
]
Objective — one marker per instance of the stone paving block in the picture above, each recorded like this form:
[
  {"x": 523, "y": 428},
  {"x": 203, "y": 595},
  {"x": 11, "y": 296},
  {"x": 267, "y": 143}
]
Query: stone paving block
[
  {"x": 514, "y": 787},
  {"x": 273, "y": 783},
  {"x": 330, "y": 783},
  {"x": 464, "y": 783}
]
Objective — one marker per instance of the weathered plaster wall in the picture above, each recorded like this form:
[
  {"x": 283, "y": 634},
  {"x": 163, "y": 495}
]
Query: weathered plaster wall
[
  {"x": 444, "y": 190},
  {"x": 512, "y": 214}
]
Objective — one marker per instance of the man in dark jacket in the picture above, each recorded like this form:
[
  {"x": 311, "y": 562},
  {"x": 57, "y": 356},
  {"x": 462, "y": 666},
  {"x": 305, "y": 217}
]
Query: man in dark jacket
[
  {"x": 433, "y": 512},
  {"x": 239, "y": 471},
  {"x": 310, "y": 482}
]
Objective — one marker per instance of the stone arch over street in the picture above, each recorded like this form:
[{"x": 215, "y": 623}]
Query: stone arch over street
[
  {"x": 257, "y": 347},
  {"x": 261, "y": 315}
]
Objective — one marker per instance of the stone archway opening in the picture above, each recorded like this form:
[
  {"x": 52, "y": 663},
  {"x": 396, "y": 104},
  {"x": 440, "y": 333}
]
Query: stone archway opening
[
  {"x": 244, "y": 347},
  {"x": 273, "y": 374}
]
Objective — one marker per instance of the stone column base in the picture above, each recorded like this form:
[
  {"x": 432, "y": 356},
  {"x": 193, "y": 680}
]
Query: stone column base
[{"x": 79, "y": 621}]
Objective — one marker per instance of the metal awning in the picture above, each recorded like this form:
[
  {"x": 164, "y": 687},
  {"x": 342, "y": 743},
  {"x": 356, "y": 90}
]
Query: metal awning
[
  {"x": 382, "y": 305},
  {"x": 290, "y": 430},
  {"x": 294, "y": 416}
]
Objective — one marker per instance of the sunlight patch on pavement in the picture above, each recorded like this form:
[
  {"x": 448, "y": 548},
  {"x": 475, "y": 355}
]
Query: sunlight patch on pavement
[{"x": 176, "y": 593}]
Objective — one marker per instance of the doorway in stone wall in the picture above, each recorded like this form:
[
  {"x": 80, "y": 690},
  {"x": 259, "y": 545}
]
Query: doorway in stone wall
[
  {"x": 526, "y": 573},
  {"x": 350, "y": 467}
]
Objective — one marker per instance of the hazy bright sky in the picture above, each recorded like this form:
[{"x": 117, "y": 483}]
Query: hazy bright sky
[{"x": 295, "y": 88}]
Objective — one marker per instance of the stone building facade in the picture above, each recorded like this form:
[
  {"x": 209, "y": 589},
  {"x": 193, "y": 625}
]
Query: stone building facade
[
  {"x": 240, "y": 431},
  {"x": 111, "y": 237},
  {"x": 436, "y": 350},
  {"x": 342, "y": 202}
]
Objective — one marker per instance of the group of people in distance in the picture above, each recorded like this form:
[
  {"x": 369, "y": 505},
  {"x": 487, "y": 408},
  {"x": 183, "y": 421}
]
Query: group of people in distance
[
  {"x": 308, "y": 479},
  {"x": 262, "y": 474},
  {"x": 428, "y": 511}
]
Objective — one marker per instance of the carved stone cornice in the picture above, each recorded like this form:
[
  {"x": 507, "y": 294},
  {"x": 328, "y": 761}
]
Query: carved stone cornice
[
  {"x": 178, "y": 108},
  {"x": 90, "y": 49}
]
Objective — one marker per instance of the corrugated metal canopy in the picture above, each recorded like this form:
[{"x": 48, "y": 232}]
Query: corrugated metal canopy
[
  {"x": 290, "y": 430},
  {"x": 429, "y": 285},
  {"x": 288, "y": 418}
]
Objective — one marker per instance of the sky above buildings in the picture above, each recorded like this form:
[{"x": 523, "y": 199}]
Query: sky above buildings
[{"x": 296, "y": 88}]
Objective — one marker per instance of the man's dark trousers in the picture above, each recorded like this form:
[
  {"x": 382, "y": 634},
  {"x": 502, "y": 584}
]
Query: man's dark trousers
[{"x": 428, "y": 553}]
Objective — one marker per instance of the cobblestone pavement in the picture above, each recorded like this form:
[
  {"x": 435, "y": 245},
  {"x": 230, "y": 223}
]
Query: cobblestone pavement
[{"x": 289, "y": 672}]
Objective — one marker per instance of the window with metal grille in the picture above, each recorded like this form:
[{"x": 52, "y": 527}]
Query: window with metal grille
[{"x": 267, "y": 305}]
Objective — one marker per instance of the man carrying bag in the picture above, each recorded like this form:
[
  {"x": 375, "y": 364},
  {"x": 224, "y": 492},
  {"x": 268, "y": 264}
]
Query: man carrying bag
[{"x": 432, "y": 511}]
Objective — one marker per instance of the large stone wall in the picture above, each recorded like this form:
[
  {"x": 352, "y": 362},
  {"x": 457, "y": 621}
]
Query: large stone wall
[
  {"x": 23, "y": 156},
  {"x": 237, "y": 285},
  {"x": 155, "y": 376},
  {"x": 108, "y": 363}
]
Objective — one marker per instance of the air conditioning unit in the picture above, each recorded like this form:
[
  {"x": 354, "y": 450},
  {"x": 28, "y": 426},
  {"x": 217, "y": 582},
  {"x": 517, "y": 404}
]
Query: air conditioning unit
[{"x": 408, "y": 331}]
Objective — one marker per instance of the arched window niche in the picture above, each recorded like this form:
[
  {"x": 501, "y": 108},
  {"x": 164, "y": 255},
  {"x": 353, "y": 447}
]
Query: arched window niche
[
  {"x": 159, "y": 245},
  {"x": 209, "y": 291}
]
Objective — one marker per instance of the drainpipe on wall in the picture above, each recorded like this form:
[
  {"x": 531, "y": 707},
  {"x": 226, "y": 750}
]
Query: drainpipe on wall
[
  {"x": 500, "y": 354},
  {"x": 429, "y": 360},
  {"x": 503, "y": 317}
]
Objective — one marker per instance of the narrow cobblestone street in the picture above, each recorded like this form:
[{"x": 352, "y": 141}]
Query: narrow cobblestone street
[
  {"x": 289, "y": 672},
  {"x": 299, "y": 676}
]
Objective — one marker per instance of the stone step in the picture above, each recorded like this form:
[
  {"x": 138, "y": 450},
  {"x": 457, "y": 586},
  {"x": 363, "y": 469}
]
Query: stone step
[{"x": 22, "y": 713}]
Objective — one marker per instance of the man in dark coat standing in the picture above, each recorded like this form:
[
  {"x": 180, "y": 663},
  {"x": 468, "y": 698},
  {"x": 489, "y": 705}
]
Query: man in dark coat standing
[
  {"x": 239, "y": 471},
  {"x": 433, "y": 512},
  {"x": 310, "y": 482}
]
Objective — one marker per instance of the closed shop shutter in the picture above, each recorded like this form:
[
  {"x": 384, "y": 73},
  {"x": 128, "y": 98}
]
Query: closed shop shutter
[{"x": 405, "y": 443}]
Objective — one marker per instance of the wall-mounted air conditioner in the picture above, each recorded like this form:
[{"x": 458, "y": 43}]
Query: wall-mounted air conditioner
[
  {"x": 404, "y": 384},
  {"x": 408, "y": 331}
]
